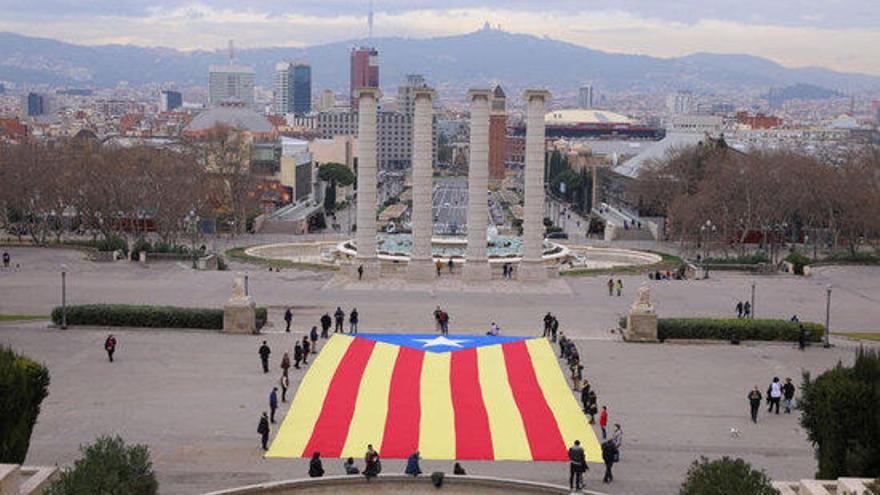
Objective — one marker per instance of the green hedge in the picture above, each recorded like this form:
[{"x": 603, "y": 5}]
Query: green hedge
[
  {"x": 123, "y": 315},
  {"x": 23, "y": 386},
  {"x": 741, "y": 328}
]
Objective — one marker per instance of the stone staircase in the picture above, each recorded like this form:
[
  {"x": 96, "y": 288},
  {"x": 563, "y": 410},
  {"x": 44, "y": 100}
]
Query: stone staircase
[
  {"x": 25, "y": 480},
  {"x": 841, "y": 486}
]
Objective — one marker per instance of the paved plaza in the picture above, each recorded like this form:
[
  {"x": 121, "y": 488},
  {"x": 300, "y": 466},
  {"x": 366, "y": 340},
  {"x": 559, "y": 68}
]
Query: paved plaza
[{"x": 195, "y": 396}]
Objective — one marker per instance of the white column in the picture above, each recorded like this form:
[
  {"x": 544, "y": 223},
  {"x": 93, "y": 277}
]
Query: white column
[
  {"x": 421, "y": 264},
  {"x": 477, "y": 264},
  {"x": 366, "y": 181},
  {"x": 532, "y": 266}
]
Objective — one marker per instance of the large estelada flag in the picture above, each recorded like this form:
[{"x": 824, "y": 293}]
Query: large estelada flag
[{"x": 462, "y": 397}]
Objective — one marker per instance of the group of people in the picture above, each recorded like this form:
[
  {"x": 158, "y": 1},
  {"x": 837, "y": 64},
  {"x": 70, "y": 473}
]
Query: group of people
[
  {"x": 441, "y": 320},
  {"x": 569, "y": 352},
  {"x": 743, "y": 309},
  {"x": 373, "y": 465},
  {"x": 507, "y": 271},
  {"x": 612, "y": 286},
  {"x": 551, "y": 326},
  {"x": 439, "y": 266},
  {"x": 777, "y": 392},
  {"x": 664, "y": 275}
]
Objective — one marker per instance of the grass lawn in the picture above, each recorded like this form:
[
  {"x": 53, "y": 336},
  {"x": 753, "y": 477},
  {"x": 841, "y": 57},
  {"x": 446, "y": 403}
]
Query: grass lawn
[
  {"x": 859, "y": 335},
  {"x": 23, "y": 317},
  {"x": 239, "y": 254},
  {"x": 667, "y": 262}
]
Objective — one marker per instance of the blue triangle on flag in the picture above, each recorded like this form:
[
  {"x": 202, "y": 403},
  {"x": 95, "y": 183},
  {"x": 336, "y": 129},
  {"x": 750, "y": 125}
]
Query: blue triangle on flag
[{"x": 438, "y": 343}]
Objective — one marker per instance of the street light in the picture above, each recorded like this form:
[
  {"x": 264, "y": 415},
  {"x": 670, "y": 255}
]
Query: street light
[
  {"x": 828, "y": 316},
  {"x": 247, "y": 291},
  {"x": 63, "y": 296},
  {"x": 752, "y": 316}
]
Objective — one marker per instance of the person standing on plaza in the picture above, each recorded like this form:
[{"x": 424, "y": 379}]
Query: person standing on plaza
[
  {"x": 548, "y": 319},
  {"x": 594, "y": 401},
  {"x": 284, "y": 382},
  {"x": 554, "y": 327},
  {"x": 110, "y": 346},
  {"x": 754, "y": 403},
  {"x": 617, "y": 438},
  {"x": 619, "y": 287},
  {"x": 439, "y": 266},
  {"x": 297, "y": 354},
  {"x": 609, "y": 456},
  {"x": 739, "y": 309},
  {"x": 437, "y": 312},
  {"x": 360, "y": 272},
  {"x": 339, "y": 315},
  {"x": 774, "y": 394},
  {"x": 577, "y": 465},
  {"x": 326, "y": 322},
  {"x": 610, "y": 286},
  {"x": 450, "y": 265},
  {"x": 264, "y": 356},
  {"x": 6, "y": 259},
  {"x": 263, "y": 430},
  {"x": 585, "y": 396},
  {"x": 273, "y": 404},
  {"x": 747, "y": 309},
  {"x": 802, "y": 336},
  {"x": 316, "y": 467},
  {"x": 313, "y": 336},
  {"x": 353, "y": 321},
  {"x": 285, "y": 364},
  {"x": 288, "y": 318},
  {"x": 412, "y": 465},
  {"x": 306, "y": 349},
  {"x": 444, "y": 322},
  {"x": 603, "y": 421},
  {"x": 788, "y": 395}
]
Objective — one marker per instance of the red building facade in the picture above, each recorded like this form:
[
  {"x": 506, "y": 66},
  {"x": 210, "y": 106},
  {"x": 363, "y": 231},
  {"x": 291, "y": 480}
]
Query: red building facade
[
  {"x": 364, "y": 71},
  {"x": 497, "y": 135}
]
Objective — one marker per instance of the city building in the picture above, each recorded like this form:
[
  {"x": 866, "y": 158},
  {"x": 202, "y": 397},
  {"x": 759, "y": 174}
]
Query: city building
[
  {"x": 680, "y": 102},
  {"x": 293, "y": 88},
  {"x": 696, "y": 124},
  {"x": 497, "y": 134},
  {"x": 758, "y": 120},
  {"x": 230, "y": 82},
  {"x": 364, "y": 71},
  {"x": 234, "y": 114},
  {"x": 170, "y": 100},
  {"x": 302, "y": 88},
  {"x": 592, "y": 124},
  {"x": 328, "y": 100},
  {"x": 35, "y": 104},
  {"x": 406, "y": 100},
  {"x": 585, "y": 97}
]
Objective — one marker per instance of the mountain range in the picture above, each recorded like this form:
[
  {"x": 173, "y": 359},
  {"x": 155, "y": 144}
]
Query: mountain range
[{"x": 474, "y": 59}]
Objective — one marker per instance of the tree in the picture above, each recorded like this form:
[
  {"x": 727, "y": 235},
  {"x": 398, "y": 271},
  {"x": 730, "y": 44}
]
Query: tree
[
  {"x": 109, "y": 467},
  {"x": 23, "y": 386},
  {"x": 725, "y": 476},
  {"x": 839, "y": 411},
  {"x": 335, "y": 174}
]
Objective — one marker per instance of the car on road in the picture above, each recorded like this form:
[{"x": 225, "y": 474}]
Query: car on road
[{"x": 557, "y": 235}]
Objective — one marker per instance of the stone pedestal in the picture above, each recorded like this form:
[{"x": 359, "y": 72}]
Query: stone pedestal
[
  {"x": 641, "y": 320},
  {"x": 239, "y": 312},
  {"x": 531, "y": 271},
  {"x": 533, "y": 208},
  {"x": 421, "y": 266},
  {"x": 421, "y": 270},
  {"x": 368, "y": 99},
  {"x": 477, "y": 266}
]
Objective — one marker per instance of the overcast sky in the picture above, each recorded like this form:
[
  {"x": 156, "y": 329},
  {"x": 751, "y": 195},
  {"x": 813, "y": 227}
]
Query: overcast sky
[{"x": 839, "y": 34}]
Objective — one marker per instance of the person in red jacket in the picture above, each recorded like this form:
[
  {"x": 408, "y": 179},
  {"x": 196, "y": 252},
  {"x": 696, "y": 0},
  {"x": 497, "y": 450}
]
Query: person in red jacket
[{"x": 603, "y": 421}]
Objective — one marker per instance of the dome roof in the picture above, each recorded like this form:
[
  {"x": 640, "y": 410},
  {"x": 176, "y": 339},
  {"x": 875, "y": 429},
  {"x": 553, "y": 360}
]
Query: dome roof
[
  {"x": 235, "y": 116},
  {"x": 578, "y": 116}
]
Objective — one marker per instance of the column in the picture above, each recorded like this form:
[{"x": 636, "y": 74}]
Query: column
[
  {"x": 477, "y": 265},
  {"x": 597, "y": 196},
  {"x": 421, "y": 264},
  {"x": 532, "y": 266},
  {"x": 368, "y": 99}
]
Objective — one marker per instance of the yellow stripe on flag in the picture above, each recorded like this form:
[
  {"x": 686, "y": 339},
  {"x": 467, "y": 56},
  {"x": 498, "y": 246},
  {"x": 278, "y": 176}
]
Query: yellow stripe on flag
[
  {"x": 509, "y": 441},
  {"x": 437, "y": 423},
  {"x": 306, "y": 406},
  {"x": 371, "y": 408},
  {"x": 570, "y": 418}
]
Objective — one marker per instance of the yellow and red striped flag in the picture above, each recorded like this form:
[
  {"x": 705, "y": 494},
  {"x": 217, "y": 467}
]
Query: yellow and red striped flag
[{"x": 462, "y": 397}]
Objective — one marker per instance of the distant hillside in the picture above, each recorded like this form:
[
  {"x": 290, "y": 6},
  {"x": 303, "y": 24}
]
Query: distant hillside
[
  {"x": 516, "y": 60},
  {"x": 803, "y": 92}
]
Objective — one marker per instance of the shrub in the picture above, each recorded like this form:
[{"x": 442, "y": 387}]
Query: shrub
[
  {"x": 799, "y": 261},
  {"x": 725, "y": 476},
  {"x": 111, "y": 243},
  {"x": 23, "y": 386},
  {"x": 748, "y": 259},
  {"x": 123, "y": 315},
  {"x": 856, "y": 258},
  {"x": 741, "y": 328},
  {"x": 221, "y": 263},
  {"x": 140, "y": 244},
  {"x": 109, "y": 467},
  {"x": 839, "y": 411}
]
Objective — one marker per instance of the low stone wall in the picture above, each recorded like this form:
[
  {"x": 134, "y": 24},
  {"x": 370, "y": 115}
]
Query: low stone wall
[
  {"x": 25, "y": 480},
  {"x": 842, "y": 486},
  {"x": 396, "y": 483}
]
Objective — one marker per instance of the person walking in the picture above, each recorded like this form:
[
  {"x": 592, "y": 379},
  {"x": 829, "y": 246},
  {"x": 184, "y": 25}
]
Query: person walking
[
  {"x": 313, "y": 336},
  {"x": 609, "y": 457},
  {"x": 450, "y": 265},
  {"x": 747, "y": 309},
  {"x": 802, "y": 337},
  {"x": 285, "y": 364},
  {"x": 444, "y": 322},
  {"x": 610, "y": 286},
  {"x": 774, "y": 394},
  {"x": 353, "y": 321},
  {"x": 284, "y": 382},
  {"x": 297, "y": 354},
  {"x": 372, "y": 464},
  {"x": 577, "y": 466},
  {"x": 619, "y": 287},
  {"x": 306, "y": 349},
  {"x": 326, "y": 322},
  {"x": 603, "y": 421},
  {"x": 439, "y": 266},
  {"x": 288, "y": 318},
  {"x": 316, "y": 467},
  {"x": 110, "y": 346},
  {"x": 360, "y": 272},
  {"x": 788, "y": 395},
  {"x": 739, "y": 309},
  {"x": 339, "y": 315},
  {"x": 754, "y": 403},
  {"x": 263, "y": 430},
  {"x": 412, "y": 465},
  {"x": 264, "y": 356},
  {"x": 273, "y": 404},
  {"x": 617, "y": 438}
]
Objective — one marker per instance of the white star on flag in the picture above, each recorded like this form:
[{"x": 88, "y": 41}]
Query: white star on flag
[{"x": 441, "y": 341}]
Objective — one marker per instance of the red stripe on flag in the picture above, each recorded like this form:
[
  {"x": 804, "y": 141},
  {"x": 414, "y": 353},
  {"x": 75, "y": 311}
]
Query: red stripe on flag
[
  {"x": 331, "y": 428},
  {"x": 401, "y": 436},
  {"x": 545, "y": 440},
  {"x": 473, "y": 439}
]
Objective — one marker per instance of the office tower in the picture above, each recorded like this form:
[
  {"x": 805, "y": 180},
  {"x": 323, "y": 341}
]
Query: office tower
[
  {"x": 364, "y": 71},
  {"x": 283, "y": 98},
  {"x": 406, "y": 94},
  {"x": 170, "y": 100},
  {"x": 35, "y": 104},
  {"x": 680, "y": 102},
  {"x": 585, "y": 96},
  {"x": 302, "y": 88},
  {"x": 231, "y": 82},
  {"x": 497, "y": 134},
  {"x": 328, "y": 100}
]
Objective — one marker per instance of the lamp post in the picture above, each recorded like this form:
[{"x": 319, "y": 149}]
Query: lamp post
[
  {"x": 828, "y": 316},
  {"x": 706, "y": 229},
  {"x": 63, "y": 297},
  {"x": 752, "y": 315},
  {"x": 247, "y": 291}
]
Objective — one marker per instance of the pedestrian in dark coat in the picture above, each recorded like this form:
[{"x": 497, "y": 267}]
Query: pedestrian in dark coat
[
  {"x": 5, "y": 259},
  {"x": 285, "y": 364},
  {"x": 273, "y": 404},
  {"x": 747, "y": 309},
  {"x": 297, "y": 354},
  {"x": 264, "y": 356},
  {"x": 739, "y": 309},
  {"x": 372, "y": 464},
  {"x": 788, "y": 395},
  {"x": 285, "y": 384},
  {"x": 548, "y": 319},
  {"x": 307, "y": 347},
  {"x": 554, "y": 327},
  {"x": 802, "y": 337},
  {"x": 577, "y": 465},
  {"x": 412, "y": 465},
  {"x": 263, "y": 430},
  {"x": 360, "y": 272},
  {"x": 110, "y": 346},
  {"x": 754, "y": 403},
  {"x": 313, "y": 336},
  {"x": 288, "y": 318},
  {"x": 339, "y": 315},
  {"x": 350, "y": 467},
  {"x": 326, "y": 322},
  {"x": 316, "y": 468},
  {"x": 609, "y": 456},
  {"x": 353, "y": 320},
  {"x": 585, "y": 396}
]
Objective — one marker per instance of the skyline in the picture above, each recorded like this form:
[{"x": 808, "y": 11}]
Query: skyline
[{"x": 842, "y": 37}]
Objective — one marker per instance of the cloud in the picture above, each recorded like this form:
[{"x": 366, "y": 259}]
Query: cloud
[{"x": 812, "y": 36}]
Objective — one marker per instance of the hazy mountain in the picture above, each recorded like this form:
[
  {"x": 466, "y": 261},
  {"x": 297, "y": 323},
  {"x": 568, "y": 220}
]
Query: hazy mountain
[{"x": 516, "y": 60}]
